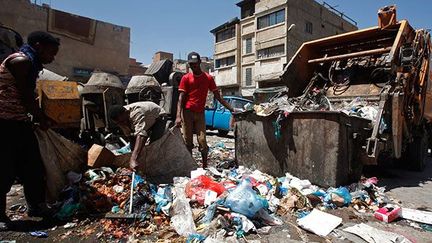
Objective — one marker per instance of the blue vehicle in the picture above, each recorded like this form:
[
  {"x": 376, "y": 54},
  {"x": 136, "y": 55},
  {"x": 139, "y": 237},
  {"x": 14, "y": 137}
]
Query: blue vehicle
[{"x": 218, "y": 117}]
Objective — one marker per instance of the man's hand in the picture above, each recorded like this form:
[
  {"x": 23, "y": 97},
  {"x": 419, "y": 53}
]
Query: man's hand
[
  {"x": 178, "y": 121},
  {"x": 133, "y": 163}
]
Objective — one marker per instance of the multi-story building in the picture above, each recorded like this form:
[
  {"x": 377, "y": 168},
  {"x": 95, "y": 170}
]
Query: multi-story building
[
  {"x": 251, "y": 52},
  {"x": 86, "y": 44}
]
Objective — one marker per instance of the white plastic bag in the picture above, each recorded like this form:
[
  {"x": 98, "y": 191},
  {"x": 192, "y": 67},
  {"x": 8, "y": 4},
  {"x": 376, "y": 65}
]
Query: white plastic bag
[{"x": 182, "y": 219}]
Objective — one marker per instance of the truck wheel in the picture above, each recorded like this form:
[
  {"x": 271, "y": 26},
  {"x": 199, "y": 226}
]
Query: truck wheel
[
  {"x": 417, "y": 151},
  {"x": 222, "y": 133}
]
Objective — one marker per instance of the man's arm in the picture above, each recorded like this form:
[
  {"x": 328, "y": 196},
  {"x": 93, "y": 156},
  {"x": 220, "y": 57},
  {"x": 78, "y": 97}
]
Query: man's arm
[
  {"x": 139, "y": 144},
  {"x": 222, "y": 101},
  {"x": 20, "y": 68},
  {"x": 180, "y": 105}
]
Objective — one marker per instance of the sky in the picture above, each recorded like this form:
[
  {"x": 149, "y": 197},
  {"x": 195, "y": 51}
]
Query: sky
[{"x": 182, "y": 26}]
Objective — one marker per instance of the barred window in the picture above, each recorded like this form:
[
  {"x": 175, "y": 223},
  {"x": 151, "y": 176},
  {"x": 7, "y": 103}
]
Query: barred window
[
  {"x": 225, "y": 34},
  {"x": 273, "y": 51},
  {"x": 224, "y": 62},
  {"x": 248, "y": 76}
]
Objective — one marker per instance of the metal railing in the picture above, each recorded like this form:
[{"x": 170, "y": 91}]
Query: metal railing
[{"x": 342, "y": 15}]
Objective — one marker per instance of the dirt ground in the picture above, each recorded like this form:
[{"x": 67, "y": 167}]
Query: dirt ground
[{"x": 411, "y": 189}]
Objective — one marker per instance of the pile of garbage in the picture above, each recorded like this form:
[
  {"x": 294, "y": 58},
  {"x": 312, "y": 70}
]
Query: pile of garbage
[
  {"x": 221, "y": 153},
  {"x": 316, "y": 100},
  {"x": 214, "y": 204}
]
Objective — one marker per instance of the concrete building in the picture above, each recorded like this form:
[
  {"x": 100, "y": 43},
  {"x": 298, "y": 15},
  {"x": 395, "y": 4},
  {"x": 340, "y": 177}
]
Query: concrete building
[
  {"x": 161, "y": 55},
  {"x": 86, "y": 44},
  {"x": 251, "y": 52},
  {"x": 135, "y": 68}
]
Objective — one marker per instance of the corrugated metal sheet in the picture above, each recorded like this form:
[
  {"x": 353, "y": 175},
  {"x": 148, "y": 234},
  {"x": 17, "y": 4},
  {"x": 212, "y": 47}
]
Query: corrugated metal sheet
[
  {"x": 46, "y": 74},
  {"x": 160, "y": 70}
]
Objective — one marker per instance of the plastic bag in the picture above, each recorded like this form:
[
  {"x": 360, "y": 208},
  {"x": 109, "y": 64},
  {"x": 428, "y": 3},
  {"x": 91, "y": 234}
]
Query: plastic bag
[
  {"x": 175, "y": 160},
  {"x": 196, "y": 188},
  {"x": 209, "y": 214},
  {"x": 244, "y": 200},
  {"x": 59, "y": 156},
  {"x": 337, "y": 197},
  {"x": 182, "y": 219}
]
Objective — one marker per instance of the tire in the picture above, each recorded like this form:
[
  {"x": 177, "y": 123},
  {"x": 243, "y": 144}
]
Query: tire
[
  {"x": 223, "y": 133},
  {"x": 417, "y": 153}
]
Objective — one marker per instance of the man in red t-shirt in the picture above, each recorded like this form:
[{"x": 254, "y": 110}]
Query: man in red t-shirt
[{"x": 190, "y": 108}]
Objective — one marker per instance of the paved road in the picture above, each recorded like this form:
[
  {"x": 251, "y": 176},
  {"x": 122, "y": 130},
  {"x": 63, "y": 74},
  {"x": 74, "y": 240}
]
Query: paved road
[{"x": 413, "y": 189}]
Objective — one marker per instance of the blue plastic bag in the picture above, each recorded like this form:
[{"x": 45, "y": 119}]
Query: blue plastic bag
[
  {"x": 209, "y": 214},
  {"x": 162, "y": 197},
  {"x": 244, "y": 200},
  {"x": 341, "y": 192}
]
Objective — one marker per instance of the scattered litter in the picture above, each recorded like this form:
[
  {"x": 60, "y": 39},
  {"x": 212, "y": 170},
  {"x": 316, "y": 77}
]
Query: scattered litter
[
  {"x": 244, "y": 200},
  {"x": 39, "y": 234},
  {"x": 224, "y": 203},
  {"x": 264, "y": 230},
  {"x": 70, "y": 225},
  {"x": 388, "y": 213},
  {"x": 197, "y": 188},
  {"x": 372, "y": 235},
  {"x": 319, "y": 222},
  {"x": 182, "y": 220},
  {"x": 197, "y": 172},
  {"x": 426, "y": 227}
]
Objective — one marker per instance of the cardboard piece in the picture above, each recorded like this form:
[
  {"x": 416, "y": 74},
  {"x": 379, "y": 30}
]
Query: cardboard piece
[
  {"x": 388, "y": 213},
  {"x": 99, "y": 156},
  {"x": 417, "y": 215},
  {"x": 319, "y": 222},
  {"x": 372, "y": 235}
]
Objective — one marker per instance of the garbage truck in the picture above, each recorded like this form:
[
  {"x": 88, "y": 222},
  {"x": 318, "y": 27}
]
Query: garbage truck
[{"x": 354, "y": 99}]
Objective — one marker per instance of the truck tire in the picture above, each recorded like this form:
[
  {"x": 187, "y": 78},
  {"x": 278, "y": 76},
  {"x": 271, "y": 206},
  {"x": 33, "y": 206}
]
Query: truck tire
[
  {"x": 417, "y": 153},
  {"x": 223, "y": 133}
]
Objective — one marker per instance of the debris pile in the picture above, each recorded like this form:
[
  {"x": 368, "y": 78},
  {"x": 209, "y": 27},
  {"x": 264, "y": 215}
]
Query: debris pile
[
  {"x": 316, "y": 100},
  {"x": 213, "y": 204}
]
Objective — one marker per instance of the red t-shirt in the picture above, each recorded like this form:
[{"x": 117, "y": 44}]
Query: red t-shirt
[{"x": 196, "y": 89}]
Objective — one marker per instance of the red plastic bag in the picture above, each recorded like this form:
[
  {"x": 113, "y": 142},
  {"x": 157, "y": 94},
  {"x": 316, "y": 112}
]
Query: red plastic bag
[{"x": 196, "y": 188}]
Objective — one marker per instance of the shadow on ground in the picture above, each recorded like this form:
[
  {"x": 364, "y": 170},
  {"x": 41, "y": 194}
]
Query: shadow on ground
[
  {"x": 393, "y": 178},
  {"x": 216, "y": 134}
]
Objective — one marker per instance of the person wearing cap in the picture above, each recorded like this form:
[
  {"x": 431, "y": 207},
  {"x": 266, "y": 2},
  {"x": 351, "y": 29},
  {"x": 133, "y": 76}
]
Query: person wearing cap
[
  {"x": 193, "y": 90},
  {"x": 139, "y": 121},
  {"x": 18, "y": 110}
]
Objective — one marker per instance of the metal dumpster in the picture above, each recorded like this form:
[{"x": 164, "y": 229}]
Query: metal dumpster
[{"x": 324, "y": 147}]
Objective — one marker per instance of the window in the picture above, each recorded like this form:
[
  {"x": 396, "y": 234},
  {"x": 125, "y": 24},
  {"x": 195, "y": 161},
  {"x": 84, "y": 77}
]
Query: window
[
  {"x": 225, "y": 34},
  {"x": 224, "y": 62},
  {"x": 271, "y": 19},
  {"x": 273, "y": 51},
  {"x": 248, "y": 76},
  {"x": 248, "y": 45},
  {"x": 238, "y": 104},
  {"x": 309, "y": 27}
]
